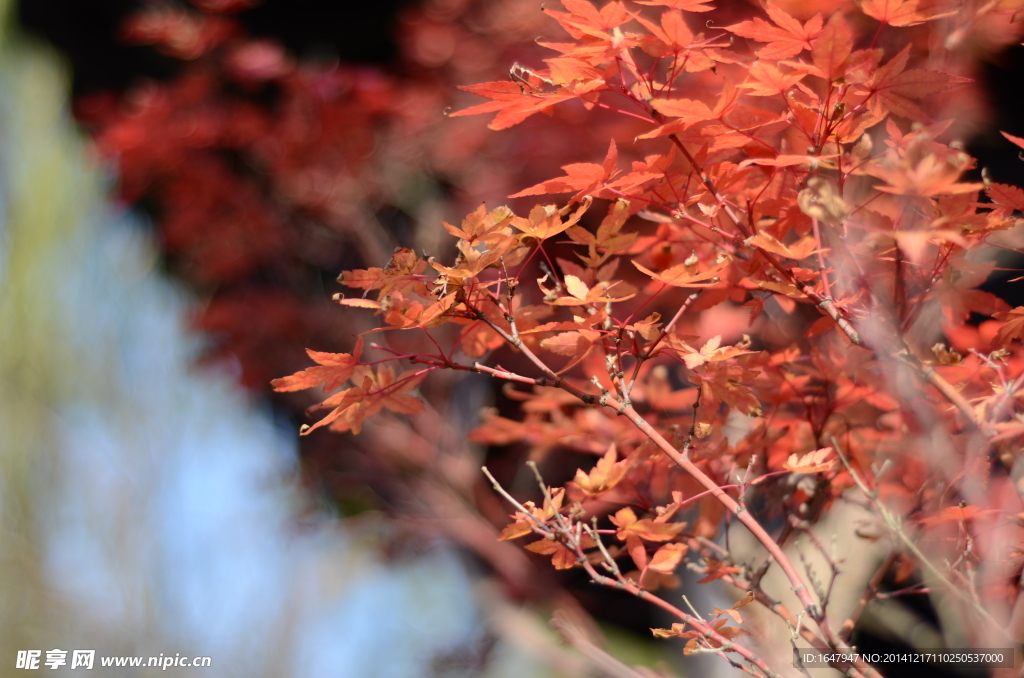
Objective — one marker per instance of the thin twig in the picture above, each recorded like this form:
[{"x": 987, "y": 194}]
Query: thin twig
[{"x": 896, "y": 526}]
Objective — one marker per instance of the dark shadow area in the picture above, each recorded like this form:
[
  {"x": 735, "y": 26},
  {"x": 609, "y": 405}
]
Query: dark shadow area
[{"x": 88, "y": 33}]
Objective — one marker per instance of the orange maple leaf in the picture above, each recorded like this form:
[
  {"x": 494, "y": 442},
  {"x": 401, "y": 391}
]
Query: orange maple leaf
[
  {"x": 926, "y": 170},
  {"x": 378, "y": 389},
  {"x": 583, "y": 19},
  {"x": 483, "y": 226},
  {"x": 687, "y": 110},
  {"x": 570, "y": 325},
  {"x": 569, "y": 70},
  {"x": 512, "y": 101},
  {"x": 471, "y": 261},
  {"x": 786, "y": 160},
  {"x": 608, "y": 239},
  {"x": 649, "y": 529},
  {"x": 580, "y": 294},
  {"x": 801, "y": 249},
  {"x": 400, "y": 273},
  {"x": 646, "y": 328},
  {"x": 716, "y": 570},
  {"x": 728, "y": 383},
  {"x": 1012, "y": 329},
  {"x": 712, "y": 351},
  {"x": 681, "y": 275},
  {"x": 831, "y": 49},
  {"x": 583, "y": 177},
  {"x": 544, "y": 220},
  {"x": 769, "y": 80},
  {"x": 402, "y": 314},
  {"x": 904, "y": 12},
  {"x": 667, "y": 558},
  {"x": 571, "y": 343},
  {"x": 605, "y": 475},
  {"x": 787, "y": 38},
  {"x": 673, "y": 34},
  {"x": 561, "y": 557},
  {"x": 634, "y": 532},
  {"x": 333, "y": 370},
  {"x": 1005, "y": 196},
  {"x": 684, "y": 5}
]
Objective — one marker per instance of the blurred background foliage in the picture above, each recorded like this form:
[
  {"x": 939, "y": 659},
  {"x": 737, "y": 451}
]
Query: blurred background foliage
[
  {"x": 149, "y": 507},
  {"x": 251, "y": 151}
]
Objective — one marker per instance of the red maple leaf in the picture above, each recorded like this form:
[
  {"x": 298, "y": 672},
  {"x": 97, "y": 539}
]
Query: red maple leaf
[
  {"x": 1006, "y": 196},
  {"x": 1012, "y": 329},
  {"x": 1016, "y": 140},
  {"x": 892, "y": 88}
]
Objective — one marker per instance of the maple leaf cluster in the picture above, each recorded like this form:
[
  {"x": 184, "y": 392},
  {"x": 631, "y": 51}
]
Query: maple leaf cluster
[
  {"x": 743, "y": 277},
  {"x": 743, "y": 307}
]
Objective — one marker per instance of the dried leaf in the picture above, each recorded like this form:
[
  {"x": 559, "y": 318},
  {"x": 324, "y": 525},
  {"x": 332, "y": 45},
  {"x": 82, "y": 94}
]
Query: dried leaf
[{"x": 819, "y": 461}]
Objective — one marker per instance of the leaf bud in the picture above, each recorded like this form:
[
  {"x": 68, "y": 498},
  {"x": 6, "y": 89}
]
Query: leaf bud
[{"x": 838, "y": 110}]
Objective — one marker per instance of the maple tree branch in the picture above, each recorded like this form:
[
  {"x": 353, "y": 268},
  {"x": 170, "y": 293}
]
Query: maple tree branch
[
  {"x": 510, "y": 376},
  {"x": 778, "y": 608},
  {"x": 570, "y": 538},
  {"x": 506, "y": 311},
  {"x": 821, "y": 259},
  {"x": 702, "y": 627},
  {"x": 760, "y": 572},
  {"x": 624, "y": 584},
  {"x": 538, "y": 524},
  {"x": 705, "y": 179},
  {"x": 556, "y": 380},
  {"x": 667, "y": 329},
  {"x": 998, "y": 411},
  {"x": 682, "y": 459},
  {"x": 605, "y": 662},
  {"x": 645, "y": 354},
  {"x": 798, "y": 585},
  {"x": 895, "y": 525},
  {"x": 947, "y": 390}
]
